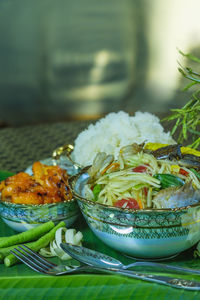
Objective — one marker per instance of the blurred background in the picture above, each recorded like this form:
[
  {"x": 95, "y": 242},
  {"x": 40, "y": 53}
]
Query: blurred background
[{"x": 70, "y": 60}]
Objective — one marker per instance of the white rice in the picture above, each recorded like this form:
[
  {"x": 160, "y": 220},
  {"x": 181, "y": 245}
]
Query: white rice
[{"x": 116, "y": 130}]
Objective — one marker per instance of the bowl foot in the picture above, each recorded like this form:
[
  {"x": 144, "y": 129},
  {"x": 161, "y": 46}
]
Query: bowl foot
[{"x": 152, "y": 258}]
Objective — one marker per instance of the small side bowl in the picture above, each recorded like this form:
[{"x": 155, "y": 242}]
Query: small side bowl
[
  {"x": 22, "y": 217},
  {"x": 143, "y": 234}
]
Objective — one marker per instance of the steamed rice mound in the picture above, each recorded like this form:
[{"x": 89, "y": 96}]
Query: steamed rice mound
[{"x": 116, "y": 130}]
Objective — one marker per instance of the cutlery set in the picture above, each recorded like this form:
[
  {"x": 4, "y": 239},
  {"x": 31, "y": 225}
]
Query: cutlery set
[{"x": 96, "y": 262}]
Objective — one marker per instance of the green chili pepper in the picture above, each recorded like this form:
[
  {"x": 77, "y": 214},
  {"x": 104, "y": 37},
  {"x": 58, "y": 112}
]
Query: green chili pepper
[{"x": 167, "y": 180}]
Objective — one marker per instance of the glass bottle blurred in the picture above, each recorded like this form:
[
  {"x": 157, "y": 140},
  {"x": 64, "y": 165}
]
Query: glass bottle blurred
[
  {"x": 62, "y": 59},
  {"x": 89, "y": 63}
]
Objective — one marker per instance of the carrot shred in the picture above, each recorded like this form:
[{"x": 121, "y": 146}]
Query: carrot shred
[
  {"x": 112, "y": 165},
  {"x": 140, "y": 203}
]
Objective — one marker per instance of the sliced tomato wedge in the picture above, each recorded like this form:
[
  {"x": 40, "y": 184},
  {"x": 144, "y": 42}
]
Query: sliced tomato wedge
[
  {"x": 140, "y": 169},
  {"x": 130, "y": 203},
  {"x": 183, "y": 172}
]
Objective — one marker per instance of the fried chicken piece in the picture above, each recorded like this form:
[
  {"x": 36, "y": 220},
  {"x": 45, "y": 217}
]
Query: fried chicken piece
[
  {"x": 20, "y": 182},
  {"x": 49, "y": 184},
  {"x": 27, "y": 198}
]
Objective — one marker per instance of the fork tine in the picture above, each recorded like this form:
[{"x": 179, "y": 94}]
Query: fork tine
[
  {"x": 41, "y": 263},
  {"x": 37, "y": 256},
  {"x": 27, "y": 261}
]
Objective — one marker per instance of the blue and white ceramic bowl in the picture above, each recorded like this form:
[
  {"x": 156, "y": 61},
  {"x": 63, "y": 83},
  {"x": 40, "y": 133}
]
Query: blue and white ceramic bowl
[
  {"x": 21, "y": 217},
  {"x": 144, "y": 234}
]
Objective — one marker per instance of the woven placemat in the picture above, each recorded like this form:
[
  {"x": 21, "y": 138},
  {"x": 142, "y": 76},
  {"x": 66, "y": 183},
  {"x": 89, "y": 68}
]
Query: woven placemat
[{"x": 20, "y": 147}]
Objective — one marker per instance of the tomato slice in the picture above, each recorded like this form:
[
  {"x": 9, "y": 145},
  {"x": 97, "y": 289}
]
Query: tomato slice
[
  {"x": 140, "y": 169},
  {"x": 183, "y": 172},
  {"x": 130, "y": 203},
  {"x": 145, "y": 189}
]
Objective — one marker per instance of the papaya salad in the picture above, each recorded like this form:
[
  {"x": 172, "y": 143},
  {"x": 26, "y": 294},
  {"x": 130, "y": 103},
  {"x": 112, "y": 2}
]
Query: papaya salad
[{"x": 140, "y": 178}]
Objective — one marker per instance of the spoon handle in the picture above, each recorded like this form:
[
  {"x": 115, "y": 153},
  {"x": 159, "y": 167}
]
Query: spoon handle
[
  {"x": 166, "y": 280},
  {"x": 162, "y": 266}
]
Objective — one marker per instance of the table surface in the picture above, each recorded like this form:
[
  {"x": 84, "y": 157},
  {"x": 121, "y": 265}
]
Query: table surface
[{"x": 20, "y": 147}]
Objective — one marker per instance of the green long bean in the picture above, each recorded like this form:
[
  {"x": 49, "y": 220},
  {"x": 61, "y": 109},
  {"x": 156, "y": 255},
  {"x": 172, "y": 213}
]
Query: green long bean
[{"x": 42, "y": 242}]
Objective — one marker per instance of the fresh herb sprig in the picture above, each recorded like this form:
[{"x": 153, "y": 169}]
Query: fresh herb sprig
[{"x": 187, "y": 118}]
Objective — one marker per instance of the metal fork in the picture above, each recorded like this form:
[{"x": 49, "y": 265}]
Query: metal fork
[{"x": 41, "y": 265}]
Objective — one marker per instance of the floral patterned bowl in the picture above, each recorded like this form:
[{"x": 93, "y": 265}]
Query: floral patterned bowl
[
  {"x": 21, "y": 217},
  {"x": 144, "y": 234}
]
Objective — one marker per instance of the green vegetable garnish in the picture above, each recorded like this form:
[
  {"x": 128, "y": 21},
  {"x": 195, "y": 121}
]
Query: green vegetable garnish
[
  {"x": 167, "y": 180},
  {"x": 187, "y": 118},
  {"x": 196, "y": 173},
  {"x": 96, "y": 190},
  {"x": 5, "y": 174}
]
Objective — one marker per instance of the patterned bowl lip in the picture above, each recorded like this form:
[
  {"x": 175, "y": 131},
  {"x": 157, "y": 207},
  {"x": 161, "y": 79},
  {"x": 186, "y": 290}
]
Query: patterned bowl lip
[
  {"x": 33, "y": 206},
  {"x": 74, "y": 178}
]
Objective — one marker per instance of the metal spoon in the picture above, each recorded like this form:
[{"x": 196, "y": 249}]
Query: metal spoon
[
  {"x": 97, "y": 259},
  {"x": 66, "y": 150}
]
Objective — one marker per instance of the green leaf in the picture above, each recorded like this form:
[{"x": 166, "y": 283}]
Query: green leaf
[
  {"x": 196, "y": 144},
  {"x": 182, "y": 72},
  {"x": 187, "y": 87},
  {"x": 5, "y": 174},
  {"x": 190, "y": 56},
  {"x": 192, "y": 78},
  {"x": 194, "y": 131},
  {"x": 175, "y": 127},
  {"x": 20, "y": 282},
  {"x": 184, "y": 128},
  {"x": 187, "y": 118}
]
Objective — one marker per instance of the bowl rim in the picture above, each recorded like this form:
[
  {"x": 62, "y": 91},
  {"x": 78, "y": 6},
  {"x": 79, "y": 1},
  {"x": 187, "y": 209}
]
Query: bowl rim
[
  {"x": 24, "y": 205},
  {"x": 74, "y": 178}
]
